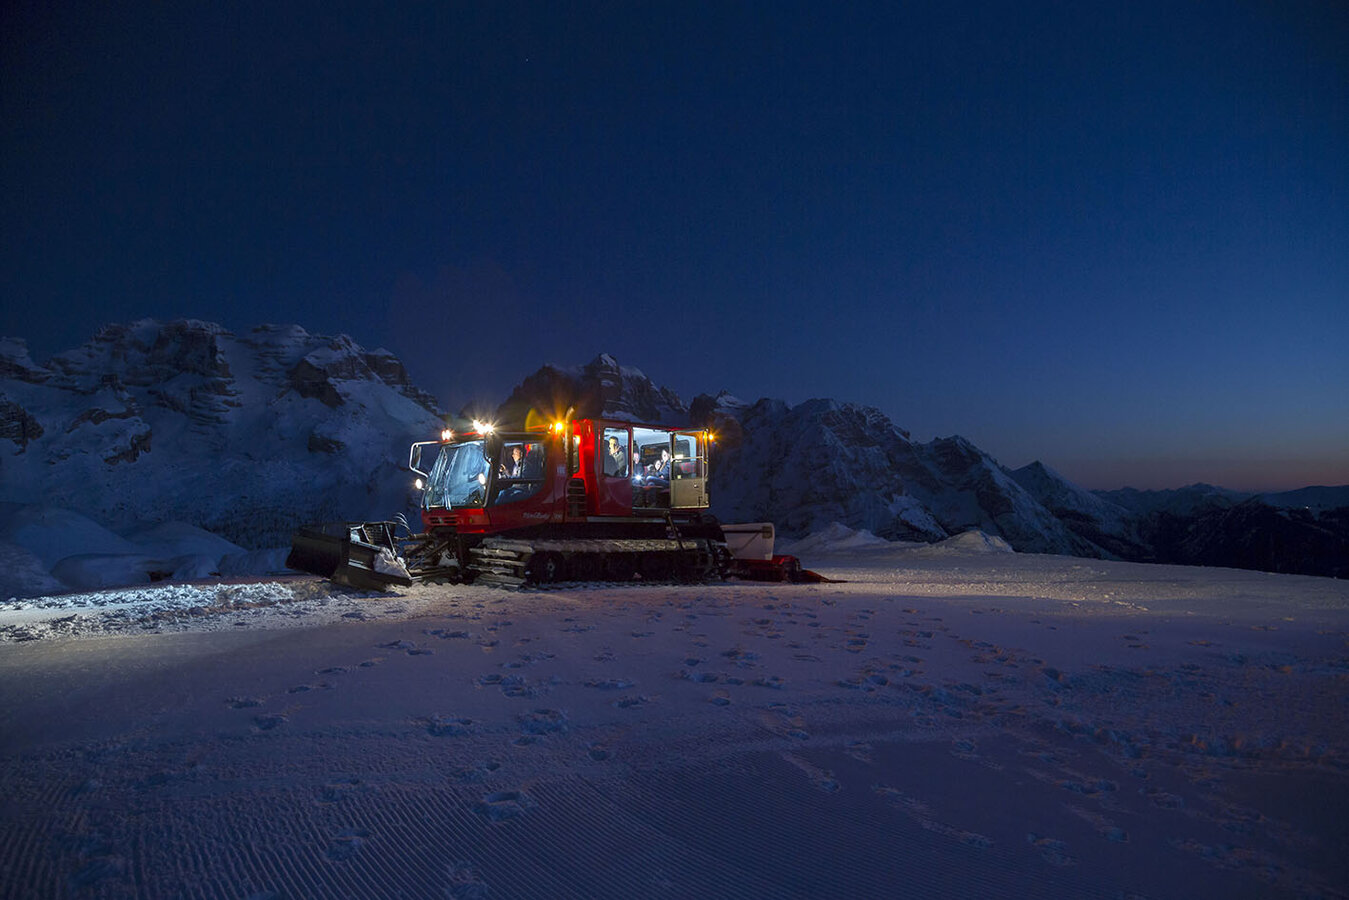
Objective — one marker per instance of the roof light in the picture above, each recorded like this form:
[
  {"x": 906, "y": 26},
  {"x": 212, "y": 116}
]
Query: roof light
[
  {"x": 483, "y": 427},
  {"x": 447, "y": 435}
]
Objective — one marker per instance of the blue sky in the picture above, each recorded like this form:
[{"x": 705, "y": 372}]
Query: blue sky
[{"x": 1110, "y": 237}]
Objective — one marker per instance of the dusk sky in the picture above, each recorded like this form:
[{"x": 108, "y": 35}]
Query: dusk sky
[{"x": 1111, "y": 237}]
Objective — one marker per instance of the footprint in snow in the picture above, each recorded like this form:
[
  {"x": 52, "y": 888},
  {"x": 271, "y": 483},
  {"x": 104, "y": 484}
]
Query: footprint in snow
[
  {"x": 502, "y": 805},
  {"x": 337, "y": 790},
  {"x": 610, "y": 684},
  {"x": 444, "y": 634},
  {"x": 410, "y": 648},
  {"x": 544, "y": 721},
  {"x": 475, "y": 773},
  {"x": 464, "y": 882},
  {"x": 444, "y": 726},
  {"x": 1052, "y": 851},
  {"x": 347, "y": 843},
  {"x": 860, "y": 751},
  {"x": 820, "y": 779}
]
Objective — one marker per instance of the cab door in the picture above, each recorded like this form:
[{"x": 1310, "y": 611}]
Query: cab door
[
  {"x": 688, "y": 470},
  {"x": 613, "y": 480}
]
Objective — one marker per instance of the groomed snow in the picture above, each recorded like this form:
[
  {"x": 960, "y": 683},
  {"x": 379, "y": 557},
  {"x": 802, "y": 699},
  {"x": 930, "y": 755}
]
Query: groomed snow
[{"x": 954, "y": 720}]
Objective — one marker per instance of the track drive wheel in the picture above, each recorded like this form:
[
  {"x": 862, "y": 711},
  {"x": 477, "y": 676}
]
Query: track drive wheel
[
  {"x": 544, "y": 568},
  {"x": 657, "y": 566},
  {"x": 620, "y": 566}
]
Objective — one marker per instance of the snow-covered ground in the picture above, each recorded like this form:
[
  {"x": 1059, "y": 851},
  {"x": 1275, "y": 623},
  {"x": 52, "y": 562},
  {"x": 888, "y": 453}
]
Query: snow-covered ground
[
  {"x": 47, "y": 550},
  {"x": 950, "y": 720}
]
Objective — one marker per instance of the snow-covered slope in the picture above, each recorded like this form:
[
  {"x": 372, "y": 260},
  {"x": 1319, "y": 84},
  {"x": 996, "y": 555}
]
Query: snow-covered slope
[
  {"x": 822, "y": 461},
  {"x": 807, "y": 466},
  {"x": 1086, "y": 514},
  {"x": 243, "y": 435}
]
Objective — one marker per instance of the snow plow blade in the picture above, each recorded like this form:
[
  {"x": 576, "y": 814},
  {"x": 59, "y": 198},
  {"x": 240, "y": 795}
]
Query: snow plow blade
[
  {"x": 779, "y": 568},
  {"x": 358, "y": 554}
]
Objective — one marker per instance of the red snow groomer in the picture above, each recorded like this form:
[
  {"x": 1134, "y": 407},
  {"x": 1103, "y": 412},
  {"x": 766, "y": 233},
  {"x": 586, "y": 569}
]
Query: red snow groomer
[{"x": 573, "y": 500}]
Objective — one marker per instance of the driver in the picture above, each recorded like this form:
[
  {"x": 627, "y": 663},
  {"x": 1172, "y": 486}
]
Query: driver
[{"x": 515, "y": 467}]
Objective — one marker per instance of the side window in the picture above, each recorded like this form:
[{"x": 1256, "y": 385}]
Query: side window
[
  {"x": 614, "y": 450},
  {"x": 688, "y": 456},
  {"x": 521, "y": 472}
]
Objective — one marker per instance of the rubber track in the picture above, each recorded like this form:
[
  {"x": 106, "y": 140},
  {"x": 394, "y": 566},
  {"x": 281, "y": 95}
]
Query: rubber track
[{"x": 503, "y": 561}]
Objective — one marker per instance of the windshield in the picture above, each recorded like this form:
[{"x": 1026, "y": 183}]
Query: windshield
[{"x": 458, "y": 478}]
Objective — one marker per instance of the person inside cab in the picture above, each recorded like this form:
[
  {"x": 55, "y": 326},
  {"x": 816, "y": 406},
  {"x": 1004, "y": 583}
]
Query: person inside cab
[
  {"x": 514, "y": 467},
  {"x": 661, "y": 467},
  {"x": 615, "y": 461}
]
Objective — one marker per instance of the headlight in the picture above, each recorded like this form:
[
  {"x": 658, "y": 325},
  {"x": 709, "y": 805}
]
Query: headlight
[{"x": 419, "y": 484}]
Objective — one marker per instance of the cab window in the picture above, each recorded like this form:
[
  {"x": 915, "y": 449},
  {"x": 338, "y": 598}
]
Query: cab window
[
  {"x": 520, "y": 471},
  {"x": 614, "y": 452}
]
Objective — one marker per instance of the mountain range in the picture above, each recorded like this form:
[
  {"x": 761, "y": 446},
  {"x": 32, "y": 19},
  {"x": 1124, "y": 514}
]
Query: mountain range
[
  {"x": 250, "y": 435},
  {"x": 807, "y": 466},
  {"x": 243, "y": 435}
]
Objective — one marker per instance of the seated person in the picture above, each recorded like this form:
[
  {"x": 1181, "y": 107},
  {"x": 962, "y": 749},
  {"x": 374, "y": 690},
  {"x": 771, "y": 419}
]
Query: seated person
[
  {"x": 515, "y": 466},
  {"x": 661, "y": 467},
  {"x": 527, "y": 477},
  {"x": 655, "y": 490},
  {"x": 615, "y": 461}
]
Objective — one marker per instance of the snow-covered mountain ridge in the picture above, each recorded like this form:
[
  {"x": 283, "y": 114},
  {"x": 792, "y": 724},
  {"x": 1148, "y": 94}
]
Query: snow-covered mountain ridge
[{"x": 244, "y": 435}]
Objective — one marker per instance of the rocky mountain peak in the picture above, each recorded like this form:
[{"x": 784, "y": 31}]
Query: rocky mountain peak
[
  {"x": 599, "y": 389},
  {"x": 247, "y": 436},
  {"x": 15, "y": 363}
]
